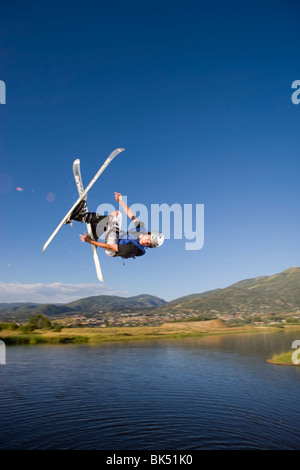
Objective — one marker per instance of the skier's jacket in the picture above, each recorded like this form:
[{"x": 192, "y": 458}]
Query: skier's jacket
[{"x": 128, "y": 245}]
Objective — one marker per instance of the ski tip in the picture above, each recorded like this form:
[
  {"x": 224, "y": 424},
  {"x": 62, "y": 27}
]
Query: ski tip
[
  {"x": 76, "y": 161},
  {"x": 121, "y": 150}
]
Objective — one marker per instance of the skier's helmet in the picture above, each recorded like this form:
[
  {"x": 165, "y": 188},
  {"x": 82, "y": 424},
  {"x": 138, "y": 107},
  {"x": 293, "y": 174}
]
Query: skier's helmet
[{"x": 157, "y": 239}]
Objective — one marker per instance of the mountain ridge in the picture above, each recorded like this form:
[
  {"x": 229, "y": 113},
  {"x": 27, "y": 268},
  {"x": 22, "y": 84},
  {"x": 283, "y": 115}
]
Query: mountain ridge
[
  {"x": 269, "y": 296},
  {"x": 91, "y": 305}
]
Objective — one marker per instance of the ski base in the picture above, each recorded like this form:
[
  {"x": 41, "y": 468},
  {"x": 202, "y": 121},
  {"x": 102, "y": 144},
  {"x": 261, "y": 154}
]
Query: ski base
[
  {"x": 80, "y": 188},
  {"x": 83, "y": 195}
]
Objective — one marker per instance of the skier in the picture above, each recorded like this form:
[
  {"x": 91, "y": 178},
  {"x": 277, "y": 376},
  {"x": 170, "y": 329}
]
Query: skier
[{"x": 129, "y": 245}]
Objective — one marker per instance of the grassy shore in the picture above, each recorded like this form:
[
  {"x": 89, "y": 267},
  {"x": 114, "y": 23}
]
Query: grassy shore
[
  {"x": 101, "y": 335},
  {"x": 282, "y": 359}
]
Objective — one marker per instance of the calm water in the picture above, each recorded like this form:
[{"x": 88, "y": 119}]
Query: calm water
[{"x": 204, "y": 393}]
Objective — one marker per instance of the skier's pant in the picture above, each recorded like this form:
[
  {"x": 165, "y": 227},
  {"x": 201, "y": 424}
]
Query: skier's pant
[{"x": 112, "y": 232}]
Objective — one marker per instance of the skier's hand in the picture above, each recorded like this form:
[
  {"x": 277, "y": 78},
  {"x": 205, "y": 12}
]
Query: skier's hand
[
  {"x": 118, "y": 197},
  {"x": 85, "y": 238}
]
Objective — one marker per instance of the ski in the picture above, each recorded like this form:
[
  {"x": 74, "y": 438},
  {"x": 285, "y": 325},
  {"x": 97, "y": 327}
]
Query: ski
[
  {"x": 80, "y": 188},
  {"x": 83, "y": 195}
]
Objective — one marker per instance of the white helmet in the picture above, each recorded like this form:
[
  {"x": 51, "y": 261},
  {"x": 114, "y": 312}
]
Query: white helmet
[{"x": 157, "y": 239}]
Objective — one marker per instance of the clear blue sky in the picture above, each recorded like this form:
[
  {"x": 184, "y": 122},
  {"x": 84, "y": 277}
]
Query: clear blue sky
[{"x": 199, "y": 95}]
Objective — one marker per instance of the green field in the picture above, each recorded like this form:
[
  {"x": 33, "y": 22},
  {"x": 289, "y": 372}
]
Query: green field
[{"x": 100, "y": 335}]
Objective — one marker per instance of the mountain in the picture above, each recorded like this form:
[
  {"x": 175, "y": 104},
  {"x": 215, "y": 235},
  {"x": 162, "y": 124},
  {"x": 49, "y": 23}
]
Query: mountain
[
  {"x": 267, "y": 295},
  {"x": 17, "y": 305},
  {"x": 22, "y": 312},
  {"x": 89, "y": 306},
  {"x": 101, "y": 302}
]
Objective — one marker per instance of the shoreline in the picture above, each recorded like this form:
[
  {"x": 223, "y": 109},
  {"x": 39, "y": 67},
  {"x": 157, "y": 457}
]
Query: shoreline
[
  {"x": 138, "y": 333},
  {"x": 283, "y": 359}
]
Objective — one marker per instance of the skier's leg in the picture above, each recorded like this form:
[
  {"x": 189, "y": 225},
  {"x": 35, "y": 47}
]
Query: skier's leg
[
  {"x": 102, "y": 223},
  {"x": 113, "y": 231},
  {"x": 79, "y": 213},
  {"x": 99, "y": 223}
]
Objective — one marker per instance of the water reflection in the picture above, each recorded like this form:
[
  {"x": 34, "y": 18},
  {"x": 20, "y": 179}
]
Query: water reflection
[
  {"x": 211, "y": 392},
  {"x": 254, "y": 344}
]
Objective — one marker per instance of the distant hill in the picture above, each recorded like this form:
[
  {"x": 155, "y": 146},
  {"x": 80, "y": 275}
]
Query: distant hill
[
  {"x": 278, "y": 294},
  {"x": 100, "y": 302},
  {"x": 3, "y": 306},
  {"x": 21, "y": 312},
  {"x": 267, "y": 297},
  {"x": 88, "y": 305}
]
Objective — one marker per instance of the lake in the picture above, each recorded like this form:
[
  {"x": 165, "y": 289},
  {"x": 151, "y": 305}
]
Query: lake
[{"x": 198, "y": 393}]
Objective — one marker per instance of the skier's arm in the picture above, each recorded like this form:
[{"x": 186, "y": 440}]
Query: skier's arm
[
  {"x": 106, "y": 246},
  {"x": 127, "y": 210},
  {"x": 138, "y": 224}
]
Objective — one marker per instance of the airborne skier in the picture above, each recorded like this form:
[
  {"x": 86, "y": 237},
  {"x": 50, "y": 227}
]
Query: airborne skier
[{"x": 129, "y": 245}]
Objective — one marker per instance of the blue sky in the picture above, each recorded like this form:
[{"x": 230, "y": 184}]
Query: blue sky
[{"x": 199, "y": 95}]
